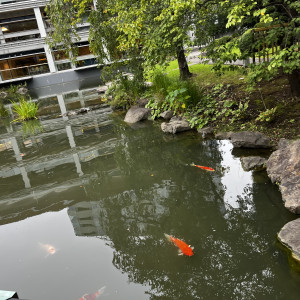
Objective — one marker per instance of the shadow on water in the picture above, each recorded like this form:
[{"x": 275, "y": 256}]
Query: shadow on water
[{"x": 128, "y": 186}]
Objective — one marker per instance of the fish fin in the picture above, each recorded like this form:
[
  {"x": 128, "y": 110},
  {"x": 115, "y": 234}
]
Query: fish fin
[{"x": 180, "y": 253}]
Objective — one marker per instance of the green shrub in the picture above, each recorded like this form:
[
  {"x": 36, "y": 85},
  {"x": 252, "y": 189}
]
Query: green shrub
[
  {"x": 171, "y": 94},
  {"x": 25, "y": 109},
  {"x": 267, "y": 116},
  {"x": 125, "y": 92}
]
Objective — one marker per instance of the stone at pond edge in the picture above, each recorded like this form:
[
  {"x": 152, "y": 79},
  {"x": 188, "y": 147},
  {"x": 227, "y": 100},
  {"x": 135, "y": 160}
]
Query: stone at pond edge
[
  {"x": 255, "y": 163},
  {"x": 206, "y": 132},
  {"x": 3, "y": 94},
  {"x": 283, "y": 143},
  {"x": 248, "y": 139},
  {"x": 142, "y": 102},
  {"x": 22, "y": 91},
  {"x": 283, "y": 167},
  {"x": 223, "y": 135},
  {"x": 167, "y": 115},
  {"x": 136, "y": 114},
  {"x": 175, "y": 125},
  {"x": 289, "y": 235}
]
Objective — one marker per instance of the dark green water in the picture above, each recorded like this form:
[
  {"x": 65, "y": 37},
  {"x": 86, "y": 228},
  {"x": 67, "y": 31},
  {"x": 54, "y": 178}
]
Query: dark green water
[{"x": 103, "y": 194}]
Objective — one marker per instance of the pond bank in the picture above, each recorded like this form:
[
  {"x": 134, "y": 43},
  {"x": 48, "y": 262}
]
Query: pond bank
[{"x": 282, "y": 166}]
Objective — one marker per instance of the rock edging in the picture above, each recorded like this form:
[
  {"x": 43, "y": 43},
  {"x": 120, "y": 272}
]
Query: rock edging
[{"x": 289, "y": 236}]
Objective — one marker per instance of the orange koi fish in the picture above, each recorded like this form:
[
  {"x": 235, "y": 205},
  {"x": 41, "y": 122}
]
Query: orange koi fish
[
  {"x": 49, "y": 249},
  {"x": 183, "y": 247},
  {"x": 204, "y": 168},
  {"x": 94, "y": 295}
]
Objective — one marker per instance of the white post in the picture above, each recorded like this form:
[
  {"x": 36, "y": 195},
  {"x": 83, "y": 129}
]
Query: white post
[
  {"x": 73, "y": 145},
  {"x": 61, "y": 103},
  {"x": 50, "y": 59},
  {"x": 40, "y": 22},
  {"x": 43, "y": 33},
  {"x": 2, "y": 39}
]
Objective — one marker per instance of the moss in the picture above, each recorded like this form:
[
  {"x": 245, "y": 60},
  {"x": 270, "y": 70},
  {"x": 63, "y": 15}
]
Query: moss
[{"x": 293, "y": 259}]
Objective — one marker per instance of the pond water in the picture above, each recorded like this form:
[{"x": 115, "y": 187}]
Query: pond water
[{"x": 85, "y": 202}]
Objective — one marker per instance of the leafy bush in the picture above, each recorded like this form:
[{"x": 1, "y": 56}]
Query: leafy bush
[
  {"x": 267, "y": 115},
  {"x": 124, "y": 92},
  {"x": 171, "y": 94},
  {"x": 25, "y": 109}
]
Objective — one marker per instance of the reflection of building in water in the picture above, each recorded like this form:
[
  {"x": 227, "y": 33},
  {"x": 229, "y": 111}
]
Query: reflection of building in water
[
  {"x": 22, "y": 165},
  {"x": 88, "y": 219},
  {"x": 132, "y": 210}
]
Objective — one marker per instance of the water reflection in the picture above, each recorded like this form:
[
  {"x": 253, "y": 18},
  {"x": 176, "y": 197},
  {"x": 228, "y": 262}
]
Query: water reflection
[{"x": 127, "y": 187}]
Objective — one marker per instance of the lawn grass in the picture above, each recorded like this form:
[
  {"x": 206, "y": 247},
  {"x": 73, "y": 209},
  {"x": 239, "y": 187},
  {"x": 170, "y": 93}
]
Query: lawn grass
[{"x": 204, "y": 75}]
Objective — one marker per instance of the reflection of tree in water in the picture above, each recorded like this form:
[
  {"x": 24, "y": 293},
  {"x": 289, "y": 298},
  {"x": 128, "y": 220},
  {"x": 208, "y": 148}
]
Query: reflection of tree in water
[{"x": 232, "y": 260}]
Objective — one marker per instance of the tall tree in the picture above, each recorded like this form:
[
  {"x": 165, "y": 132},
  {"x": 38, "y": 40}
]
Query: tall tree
[
  {"x": 276, "y": 23},
  {"x": 154, "y": 30}
]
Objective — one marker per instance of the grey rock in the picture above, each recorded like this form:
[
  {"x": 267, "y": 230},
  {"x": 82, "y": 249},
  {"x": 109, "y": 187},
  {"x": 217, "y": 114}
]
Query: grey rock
[
  {"x": 206, "y": 132},
  {"x": 255, "y": 163},
  {"x": 175, "y": 125},
  {"x": 248, "y": 139},
  {"x": 136, "y": 114},
  {"x": 167, "y": 115},
  {"x": 223, "y": 135},
  {"x": 283, "y": 167},
  {"x": 142, "y": 102},
  {"x": 102, "y": 89},
  {"x": 22, "y": 91},
  {"x": 3, "y": 95},
  {"x": 283, "y": 143},
  {"x": 289, "y": 236}
]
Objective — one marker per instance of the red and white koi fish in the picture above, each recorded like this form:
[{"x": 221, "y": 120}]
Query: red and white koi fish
[
  {"x": 49, "y": 248},
  {"x": 204, "y": 168},
  {"x": 183, "y": 247},
  {"x": 94, "y": 295}
]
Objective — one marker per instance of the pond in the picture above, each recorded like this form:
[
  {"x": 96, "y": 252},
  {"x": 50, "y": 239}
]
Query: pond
[{"x": 85, "y": 202}]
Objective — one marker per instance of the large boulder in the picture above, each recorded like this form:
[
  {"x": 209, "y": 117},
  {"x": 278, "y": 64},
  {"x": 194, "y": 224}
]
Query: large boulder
[
  {"x": 283, "y": 167},
  {"x": 248, "y": 139},
  {"x": 223, "y": 135},
  {"x": 255, "y": 163},
  {"x": 136, "y": 114},
  {"x": 289, "y": 236},
  {"x": 167, "y": 115},
  {"x": 175, "y": 125}
]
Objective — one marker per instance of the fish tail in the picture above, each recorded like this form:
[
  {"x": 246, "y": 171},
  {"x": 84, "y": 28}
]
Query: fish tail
[{"x": 192, "y": 165}]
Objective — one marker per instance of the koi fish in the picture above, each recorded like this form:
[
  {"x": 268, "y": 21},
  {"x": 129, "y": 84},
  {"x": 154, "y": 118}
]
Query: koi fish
[
  {"x": 94, "y": 295},
  {"x": 183, "y": 247},
  {"x": 49, "y": 249},
  {"x": 204, "y": 168}
]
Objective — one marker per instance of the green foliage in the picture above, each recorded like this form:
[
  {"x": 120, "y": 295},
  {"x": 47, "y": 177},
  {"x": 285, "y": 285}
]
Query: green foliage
[
  {"x": 32, "y": 127},
  {"x": 3, "y": 111},
  {"x": 217, "y": 106},
  {"x": 172, "y": 94},
  {"x": 124, "y": 91},
  {"x": 267, "y": 116},
  {"x": 25, "y": 109},
  {"x": 261, "y": 25}
]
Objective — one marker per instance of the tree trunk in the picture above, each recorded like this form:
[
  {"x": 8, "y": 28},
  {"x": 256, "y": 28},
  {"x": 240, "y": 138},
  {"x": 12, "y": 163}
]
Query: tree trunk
[
  {"x": 182, "y": 64},
  {"x": 294, "y": 80}
]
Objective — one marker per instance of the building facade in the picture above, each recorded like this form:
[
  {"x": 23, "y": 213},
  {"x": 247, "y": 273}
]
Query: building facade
[{"x": 24, "y": 54}]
